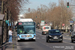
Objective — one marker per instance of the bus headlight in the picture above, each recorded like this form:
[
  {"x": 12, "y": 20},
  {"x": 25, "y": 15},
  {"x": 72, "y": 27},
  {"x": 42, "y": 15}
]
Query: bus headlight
[
  {"x": 18, "y": 38},
  {"x": 34, "y": 37}
]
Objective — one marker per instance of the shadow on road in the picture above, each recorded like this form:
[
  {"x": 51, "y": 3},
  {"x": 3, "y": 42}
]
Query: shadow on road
[
  {"x": 27, "y": 49},
  {"x": 73, "y": 42},
  {"x": 55, "y": 42},
  {"x": 26, "y": 41}
]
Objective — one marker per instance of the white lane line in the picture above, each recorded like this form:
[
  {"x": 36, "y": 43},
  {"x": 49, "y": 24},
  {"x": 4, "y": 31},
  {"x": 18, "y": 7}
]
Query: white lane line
[
  {"x": 67, "y": 38},
  {"x": 18, "y": 47},
  {"x": 67, "y": 35}
]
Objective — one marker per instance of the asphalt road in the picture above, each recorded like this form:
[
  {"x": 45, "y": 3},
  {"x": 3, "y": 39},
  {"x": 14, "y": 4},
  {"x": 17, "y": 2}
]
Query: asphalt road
[{"x": 40, "y": 43}]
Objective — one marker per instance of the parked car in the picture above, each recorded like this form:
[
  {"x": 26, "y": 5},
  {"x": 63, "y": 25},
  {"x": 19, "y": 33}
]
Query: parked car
[
  {"x": 54, "y": 35},
  {"x": 73, "y": 37},
  {"x": 45, "y": 29}
]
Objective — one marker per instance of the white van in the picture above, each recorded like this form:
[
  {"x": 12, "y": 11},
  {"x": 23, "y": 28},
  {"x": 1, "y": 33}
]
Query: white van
[{"x": 45, "y": 29}]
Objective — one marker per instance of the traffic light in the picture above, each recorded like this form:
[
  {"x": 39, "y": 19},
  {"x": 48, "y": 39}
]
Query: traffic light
[
  {"x": 28, "y": 9},
  {"x": 67, "y": 4},
  {"x": 36, "y": 16}
]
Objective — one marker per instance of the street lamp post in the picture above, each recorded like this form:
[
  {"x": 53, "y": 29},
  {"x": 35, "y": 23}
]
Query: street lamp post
[{"x": 1, "y": 29}]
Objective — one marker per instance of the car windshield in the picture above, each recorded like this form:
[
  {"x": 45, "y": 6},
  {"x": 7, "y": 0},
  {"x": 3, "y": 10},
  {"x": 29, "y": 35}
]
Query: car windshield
[
  {"x": 47, "y": 27},
  {"x": 54, "y": 31},
  {"x": 26, "y": 29}
]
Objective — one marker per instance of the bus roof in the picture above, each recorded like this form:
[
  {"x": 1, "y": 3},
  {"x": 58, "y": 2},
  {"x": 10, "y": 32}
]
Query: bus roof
[{"x": 25, "y": 20}]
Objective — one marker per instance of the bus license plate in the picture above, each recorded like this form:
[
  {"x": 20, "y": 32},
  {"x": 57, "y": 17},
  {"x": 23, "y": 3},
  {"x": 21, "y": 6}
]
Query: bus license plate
[{"x": 26, "y": 38}]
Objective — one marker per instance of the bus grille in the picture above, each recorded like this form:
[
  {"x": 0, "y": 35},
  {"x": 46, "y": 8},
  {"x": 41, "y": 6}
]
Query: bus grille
[{"x": 26, "y": 36}]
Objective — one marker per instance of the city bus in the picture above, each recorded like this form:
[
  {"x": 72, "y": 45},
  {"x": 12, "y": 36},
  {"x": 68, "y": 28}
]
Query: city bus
[{"x": 26, "y": 30}]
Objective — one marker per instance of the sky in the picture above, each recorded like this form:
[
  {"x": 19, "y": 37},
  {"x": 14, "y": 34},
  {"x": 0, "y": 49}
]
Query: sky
[{"x": 34, "y": 4}]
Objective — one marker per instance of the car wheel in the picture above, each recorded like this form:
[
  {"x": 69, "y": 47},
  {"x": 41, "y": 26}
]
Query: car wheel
[
  {"x": 34, "y": 40},
  {"x": 18, "y": 40},
  {"x": 61, "y": 41},
  {"x": 72, "y": 41},
  {"x": 42, "y": 33}
]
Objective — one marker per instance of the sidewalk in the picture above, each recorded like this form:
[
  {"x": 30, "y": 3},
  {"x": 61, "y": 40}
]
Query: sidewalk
[{"x": 13, "y": 45}]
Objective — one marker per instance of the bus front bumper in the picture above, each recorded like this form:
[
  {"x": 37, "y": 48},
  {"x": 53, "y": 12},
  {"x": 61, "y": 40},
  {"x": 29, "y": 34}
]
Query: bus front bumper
[{"x": 26, "y": 38}]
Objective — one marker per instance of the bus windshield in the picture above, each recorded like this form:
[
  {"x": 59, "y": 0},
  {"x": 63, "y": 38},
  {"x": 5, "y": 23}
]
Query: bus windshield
[{"x": 26, "y": 29}]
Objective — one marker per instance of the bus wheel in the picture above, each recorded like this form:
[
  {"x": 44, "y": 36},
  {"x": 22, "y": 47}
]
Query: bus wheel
[
  {"x": 17, "y": 40},
  {"x": 42, "y": 33},
  {"x": 34, "y": 40}
]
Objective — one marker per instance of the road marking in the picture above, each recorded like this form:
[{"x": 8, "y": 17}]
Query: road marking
[
  {"x": 18, "y": 47},
  {"x": 67, "y": 35},
  {"x": 67, "y": 38}
]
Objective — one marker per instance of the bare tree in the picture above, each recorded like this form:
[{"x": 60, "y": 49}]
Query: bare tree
[
  {"x": 56, "y": 14},
  {"x": 14, "y": 7}
]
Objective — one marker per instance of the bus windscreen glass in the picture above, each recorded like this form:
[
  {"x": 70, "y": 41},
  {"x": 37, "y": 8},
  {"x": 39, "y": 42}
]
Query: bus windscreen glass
[
  {"x": 25, "y": 23},
  {"x": 26, "y": 30}
]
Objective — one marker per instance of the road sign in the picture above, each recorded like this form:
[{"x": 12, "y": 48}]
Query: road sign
[
  {"x": 71, "y": 22},
  {"x": 67, "y": 4},
  {"x": 36, "y": 16},
  {"x": 42, "y": 22},
  {"x": 63, "y": 24},
  {"x": 50, "y": 24}
]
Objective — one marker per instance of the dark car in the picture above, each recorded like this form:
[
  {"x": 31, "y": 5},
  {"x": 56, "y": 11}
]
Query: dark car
[
  {"x": 54, "y": 35},
  {"x": 73, "y": 36}
]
